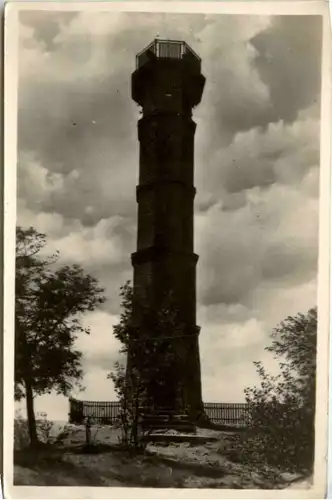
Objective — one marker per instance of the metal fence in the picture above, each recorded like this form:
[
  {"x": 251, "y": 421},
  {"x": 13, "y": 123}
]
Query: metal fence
[
  {"x": 230, "y": 414},
  {"x": 233, "y": 414}
]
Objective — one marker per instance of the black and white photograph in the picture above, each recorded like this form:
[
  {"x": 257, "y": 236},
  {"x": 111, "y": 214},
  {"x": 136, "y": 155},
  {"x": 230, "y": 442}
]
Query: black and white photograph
[{"x": 166, "y": 255}]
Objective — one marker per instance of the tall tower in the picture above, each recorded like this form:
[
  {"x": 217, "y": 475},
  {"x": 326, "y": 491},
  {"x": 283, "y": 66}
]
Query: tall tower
[{"x": 168, "y": 84}]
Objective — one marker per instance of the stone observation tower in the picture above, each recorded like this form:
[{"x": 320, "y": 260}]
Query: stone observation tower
[{"x": 168, "y": 84}]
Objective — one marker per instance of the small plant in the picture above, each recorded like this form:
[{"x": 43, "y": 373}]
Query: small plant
[
  {"x": 130, "y": 391},
  {"x": 44, "y": 427},
  {"x": 153, "y": 363}
]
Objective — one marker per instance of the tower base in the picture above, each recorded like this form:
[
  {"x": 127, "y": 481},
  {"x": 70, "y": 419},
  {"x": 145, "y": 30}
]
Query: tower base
[{"x": 163, "y": 420}]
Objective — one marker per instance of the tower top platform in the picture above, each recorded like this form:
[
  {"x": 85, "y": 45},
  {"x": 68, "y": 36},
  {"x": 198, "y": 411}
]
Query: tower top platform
[{"x": 168, "y": 49}]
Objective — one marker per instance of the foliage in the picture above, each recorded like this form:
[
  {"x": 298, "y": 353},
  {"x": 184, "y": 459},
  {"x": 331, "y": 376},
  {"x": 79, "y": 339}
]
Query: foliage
[
  {"x": 49, "y": 303},
  {"x": 128, "y": 417},
  {"x": 64, "y": 433},
  {"x": 21, "y": 430},
  {"x": 153, "y": 350},
  {"x": 44, "y": 427},
  {"x": 282, "y": 409}
]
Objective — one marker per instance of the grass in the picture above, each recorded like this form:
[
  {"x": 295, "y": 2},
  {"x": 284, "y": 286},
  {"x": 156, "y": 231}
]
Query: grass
[{"x": 54, "y": 467}]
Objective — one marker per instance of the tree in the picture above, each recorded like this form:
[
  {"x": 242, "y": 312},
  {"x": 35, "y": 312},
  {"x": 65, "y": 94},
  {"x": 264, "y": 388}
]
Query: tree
[
  {"x": 49, "y": 303},
  {"x": 154, "y": 352},
  {"x": 283, "y": 407}
]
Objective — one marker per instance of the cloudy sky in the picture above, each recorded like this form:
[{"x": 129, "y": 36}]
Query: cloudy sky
[{"x": 256, "y": 173}]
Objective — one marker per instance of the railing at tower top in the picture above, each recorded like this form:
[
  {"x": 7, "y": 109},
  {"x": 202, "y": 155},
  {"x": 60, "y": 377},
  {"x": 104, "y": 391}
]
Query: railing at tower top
[{"x": 168, "y": 49}]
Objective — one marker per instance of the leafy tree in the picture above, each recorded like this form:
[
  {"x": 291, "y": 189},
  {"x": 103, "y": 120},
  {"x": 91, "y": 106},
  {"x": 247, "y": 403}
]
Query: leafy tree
[
  {"x": 49, "y": 303},
  {"x": 282, "y": 408},
  {"x": 154, "y": 351}
]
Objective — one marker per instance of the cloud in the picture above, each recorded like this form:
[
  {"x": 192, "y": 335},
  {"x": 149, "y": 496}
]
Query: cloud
[
  {"x": 263, "y": 241},
  {"x": 281, "y": 153},
  {"x": 288, "y": 60},
  {"x": 100, "y": 324},
  {"x": 45, "y": 26}
]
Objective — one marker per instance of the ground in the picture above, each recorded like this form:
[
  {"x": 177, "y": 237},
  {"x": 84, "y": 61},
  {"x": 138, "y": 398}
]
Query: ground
[{"x": 175, "y": 462}]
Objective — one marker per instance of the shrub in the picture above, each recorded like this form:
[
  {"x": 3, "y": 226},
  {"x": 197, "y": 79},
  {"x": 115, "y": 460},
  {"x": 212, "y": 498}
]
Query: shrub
[
  {"x": 282, "y": 409},
  {"x": 21, "y": 430}
]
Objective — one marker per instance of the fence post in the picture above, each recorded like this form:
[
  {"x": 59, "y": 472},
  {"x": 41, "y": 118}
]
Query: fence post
[{"x": 88, "y": 431}]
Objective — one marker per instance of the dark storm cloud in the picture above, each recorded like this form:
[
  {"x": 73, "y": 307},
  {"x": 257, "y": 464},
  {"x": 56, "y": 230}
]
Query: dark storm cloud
[
  {"x": 240, "y": 177},
  {"x": 104, "y": 253},
  {"x": 79, "y": 139},
  {"x": 46, "y": 25},
  {"x": 236, "y": 282},
  {"x": 227, "y": 280},
  {"x": 290, "y": 263},
  {"x": 279, "y": 154},
  {"x": 287, "y": 58},
  {"x": 112, "y": 278},
  {"x": 289, "y": 61}
]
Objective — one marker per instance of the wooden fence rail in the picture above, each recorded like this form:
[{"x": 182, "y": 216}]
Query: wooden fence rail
[{"x": 232, "y": 414}]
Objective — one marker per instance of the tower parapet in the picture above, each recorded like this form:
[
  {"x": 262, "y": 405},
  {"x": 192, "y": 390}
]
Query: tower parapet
[{"x": 167, "y": 78}]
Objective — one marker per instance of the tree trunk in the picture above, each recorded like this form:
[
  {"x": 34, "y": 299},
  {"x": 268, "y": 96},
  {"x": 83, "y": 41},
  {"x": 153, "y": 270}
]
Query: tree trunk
[
  {"x": 31, "y": 414},
  {"x": 28, "y": 388}
]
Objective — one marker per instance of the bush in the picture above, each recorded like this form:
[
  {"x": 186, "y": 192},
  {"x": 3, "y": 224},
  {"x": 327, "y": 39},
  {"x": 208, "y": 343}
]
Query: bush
[
  {"x": 21, "y": 430},
  {"x": 282, "y": 409},
  {"x": 284, "y": 434},
  {"x": 278, "y": 436}
]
